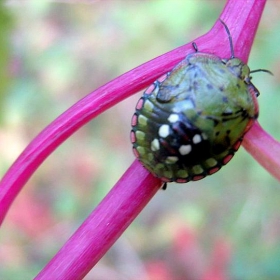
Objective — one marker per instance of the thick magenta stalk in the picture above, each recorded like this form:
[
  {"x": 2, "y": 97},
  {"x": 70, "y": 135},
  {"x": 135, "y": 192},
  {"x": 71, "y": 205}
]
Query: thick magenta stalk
[
  {"x": 137, "y": 186},
  {"x": 104, "y": 226},
  {"x": 242, "y": 19},
  {"x": 101, "y": 229},
  {"x": 264, "y": 148}
]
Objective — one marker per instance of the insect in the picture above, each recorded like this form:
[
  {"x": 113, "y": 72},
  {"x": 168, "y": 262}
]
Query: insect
[{"x": 191, "y": 121}]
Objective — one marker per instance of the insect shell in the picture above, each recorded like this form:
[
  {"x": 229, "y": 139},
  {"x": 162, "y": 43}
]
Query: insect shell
[{"x": 191, "y": 121}]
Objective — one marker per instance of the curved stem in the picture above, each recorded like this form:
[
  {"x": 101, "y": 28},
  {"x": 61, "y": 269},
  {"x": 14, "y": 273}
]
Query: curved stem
[
  {"x": 264, "y": 148},
  {"x": 242, "y": 21},
  {"x": 104, "y": 226},
  {"x": 127, "y": 198}
]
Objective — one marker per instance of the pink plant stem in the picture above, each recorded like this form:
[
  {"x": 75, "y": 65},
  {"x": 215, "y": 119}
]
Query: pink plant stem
[
  {"x": 242, "y": 18},
  {"x": 137, "y": 186},
  {"x": 264, "y": 149},
  {"x": 78, "y": 115},
  {"x": 98, "y": 233},
  {"x": 104, "y": 226}
]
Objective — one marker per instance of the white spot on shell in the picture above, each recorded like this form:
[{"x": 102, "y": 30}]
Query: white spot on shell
[
  {"x": 185, "y": 149},
  {"x": 183, "y": 106},
  {"x": 163, "y": 131},
  {"x": 173, "y": 118},
  {"x": 196, "y": 139},
  {"x": 171, "y": 159},
  {"x": 155, "y": 145}
]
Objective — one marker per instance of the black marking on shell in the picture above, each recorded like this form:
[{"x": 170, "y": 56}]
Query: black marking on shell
[{"x": 200, "y": 133}]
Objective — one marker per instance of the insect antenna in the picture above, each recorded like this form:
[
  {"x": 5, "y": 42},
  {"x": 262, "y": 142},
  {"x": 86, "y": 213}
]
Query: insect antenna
[
  {"x": 229, "y": 38},
  {"x": 261, "y": 70}
]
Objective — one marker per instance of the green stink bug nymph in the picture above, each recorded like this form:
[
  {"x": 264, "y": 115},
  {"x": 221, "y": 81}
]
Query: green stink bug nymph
[{"x": 191, "y": 121}]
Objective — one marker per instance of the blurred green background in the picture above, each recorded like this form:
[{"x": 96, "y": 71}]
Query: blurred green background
[{"x": 52, "y": 53}]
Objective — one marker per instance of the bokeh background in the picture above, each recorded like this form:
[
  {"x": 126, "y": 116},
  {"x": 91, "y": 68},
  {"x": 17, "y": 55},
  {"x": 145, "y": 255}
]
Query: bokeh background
[{"x": 53, "y": 53}]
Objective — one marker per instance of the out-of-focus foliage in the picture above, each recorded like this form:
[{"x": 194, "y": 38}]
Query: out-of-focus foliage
[
  {"x": 227, "y": 224},
  {"x": 5, "y": 54}
]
